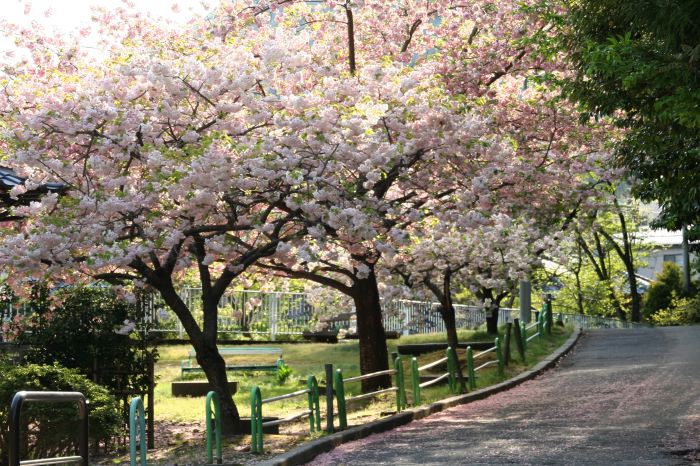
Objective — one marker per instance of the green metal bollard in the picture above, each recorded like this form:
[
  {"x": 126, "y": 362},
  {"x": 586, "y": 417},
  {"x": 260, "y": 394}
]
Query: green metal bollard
[
  {"x": 470, "y": 369},
  {"x": 256, "y": 428},
  {"x": 340, "y": 397},
  {"x": 415, "y": 382},
  {"x": 315, "y": 416},
  {"x": 506, "y": 344},
  {"x": 452, "y": 369},
  {"x": 499, "y": 355},
  {"x": 136, "y": 411},
  {"x": 318, "y": 405},
  {"x": 213, "y": 427},
  {"x": 401, "y": 385}
]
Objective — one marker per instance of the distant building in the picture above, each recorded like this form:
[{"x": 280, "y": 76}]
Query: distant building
[{"x": 666, "y": 246}]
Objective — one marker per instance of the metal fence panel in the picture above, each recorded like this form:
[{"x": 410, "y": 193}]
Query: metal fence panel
[{"x": 275, "y": 314}]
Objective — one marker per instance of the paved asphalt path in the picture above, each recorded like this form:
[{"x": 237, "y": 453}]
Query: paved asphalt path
[{"x": 622, "y": 397}]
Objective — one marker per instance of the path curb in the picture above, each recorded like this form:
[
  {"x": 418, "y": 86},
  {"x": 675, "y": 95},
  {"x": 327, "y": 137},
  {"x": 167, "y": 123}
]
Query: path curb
[{"x": 309, "y": 450}]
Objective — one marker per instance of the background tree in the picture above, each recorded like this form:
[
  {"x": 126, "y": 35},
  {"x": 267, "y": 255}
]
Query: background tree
[
  {"x": 610, "y": 231},
  {"x": 636, "y": 62},
  {"x": 158, "y": 147}
]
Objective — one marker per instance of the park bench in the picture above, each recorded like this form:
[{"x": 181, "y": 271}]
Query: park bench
[
  {"x": 416, "y": 349},
  {"x": 188, "y": 365}
]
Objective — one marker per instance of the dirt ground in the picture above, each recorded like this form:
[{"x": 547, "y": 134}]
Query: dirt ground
[{"x": 183, "y": 443}]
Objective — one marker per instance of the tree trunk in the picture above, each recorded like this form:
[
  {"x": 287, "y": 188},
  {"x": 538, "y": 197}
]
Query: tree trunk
[
  {"x": 491, "y": 311},
  {"x": 214, "y": 368},
  {"x": 579, "y": 294},
  {"x": 492, "y": 319},
  {"x": 208, "y": 357},
  {"x": 616, "y": 304},
  {"x": 374, "y": 356},
  {"x": 636, "y": 311},
  {"x": 448, "y": 316}
]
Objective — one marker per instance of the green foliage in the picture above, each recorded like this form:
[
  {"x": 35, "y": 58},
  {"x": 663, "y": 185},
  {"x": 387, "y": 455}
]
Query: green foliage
[
  {"x": 638, "y": 63},
  {"x": 90, "y": 330},
  {"x": 663, "y": 290},
  {"x": 51, "y": 426},
  {"x": 682, "y": 311},
  {"x": 596, "y": 296},
  {"x": 283, "y": 373}
]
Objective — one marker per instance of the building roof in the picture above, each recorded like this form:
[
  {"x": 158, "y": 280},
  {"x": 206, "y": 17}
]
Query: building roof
[
  {"x": 8, "y": 180},
  {"x": 661, "y": 237}
]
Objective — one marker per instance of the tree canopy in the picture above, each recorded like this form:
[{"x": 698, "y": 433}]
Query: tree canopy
[{"x": 638, "y": 63}]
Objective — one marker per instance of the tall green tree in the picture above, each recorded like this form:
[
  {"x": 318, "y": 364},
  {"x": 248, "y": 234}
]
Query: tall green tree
[{"x": 638, "y": 63}]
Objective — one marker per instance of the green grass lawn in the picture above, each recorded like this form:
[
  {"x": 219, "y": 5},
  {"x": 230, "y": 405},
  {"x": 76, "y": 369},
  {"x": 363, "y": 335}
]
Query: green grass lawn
[{"x": 309, "y": 358}]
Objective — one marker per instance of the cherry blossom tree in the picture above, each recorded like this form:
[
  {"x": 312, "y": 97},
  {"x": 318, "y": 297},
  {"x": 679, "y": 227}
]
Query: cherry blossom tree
[
  {"x": 306, "y": 137},
  {"x": 213, "y": 146},
  {"x": 158, "y": 144},
  {"x": 505, "y": 212}
]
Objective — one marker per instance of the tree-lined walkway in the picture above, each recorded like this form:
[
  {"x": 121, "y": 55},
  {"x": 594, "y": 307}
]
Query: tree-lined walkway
[{"x": 627, "y": 397}]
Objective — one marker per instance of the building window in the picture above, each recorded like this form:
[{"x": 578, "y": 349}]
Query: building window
[{"x": 675, "y": 258}]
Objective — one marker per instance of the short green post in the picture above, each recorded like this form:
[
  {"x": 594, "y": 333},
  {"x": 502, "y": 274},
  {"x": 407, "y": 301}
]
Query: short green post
[
  {"x": 400, "y": 385},
  {"x": 523, "y": 333},
  {"x": 213, "y": 427},
  {"x": 137, "y": 424},
  {"x": 452, "y": 369},
  {"x": 499, "y": 355},
  {"x": 470, "y": 369},
  {"x": 256, "y": 428},
  {"x": 314, "y": 405},
  {"x": 340, "y": 397},
  {"x": 415, "y": 382}
]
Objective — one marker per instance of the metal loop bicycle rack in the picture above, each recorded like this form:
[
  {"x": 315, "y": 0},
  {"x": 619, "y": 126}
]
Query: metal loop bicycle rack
[{"x": 49, "y": 397}]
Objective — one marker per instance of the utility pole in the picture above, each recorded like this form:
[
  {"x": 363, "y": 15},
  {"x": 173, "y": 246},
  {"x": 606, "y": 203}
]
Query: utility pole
[{"x": 686, "y": 261}]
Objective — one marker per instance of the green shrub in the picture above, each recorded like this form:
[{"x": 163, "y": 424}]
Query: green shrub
[
  {"x": 91, "y": 330},
  {"x": 668, "y": 283},
  {"x": 283, "y": 373},
  {"x": 52, "y": 427},
  {"x": 681, "y": 311}
]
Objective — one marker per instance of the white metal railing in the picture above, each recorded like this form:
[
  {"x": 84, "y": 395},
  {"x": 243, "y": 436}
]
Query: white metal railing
[
  {"x": 253, "y": 312},
  {"x": 273, "y": 314}
]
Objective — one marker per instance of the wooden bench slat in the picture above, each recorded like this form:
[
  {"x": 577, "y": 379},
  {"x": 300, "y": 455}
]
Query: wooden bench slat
[
  {"x": 187, "y": 366},
  {"x": 233, "y": 368},
  {"x": 243, "y": 351}
]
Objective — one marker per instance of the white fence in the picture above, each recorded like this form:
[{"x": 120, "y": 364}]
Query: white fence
[
  {"x": 245, "y": 312},
  {"x": 274, "y": 314},
  {"x": 586, "y": 321},
  {"x": 270, "y": 315}
]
